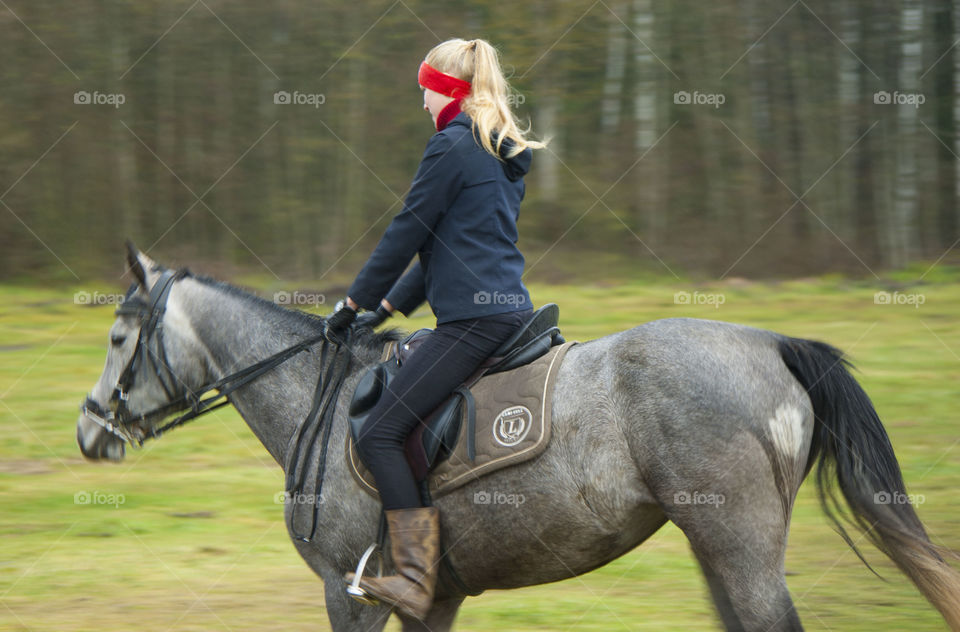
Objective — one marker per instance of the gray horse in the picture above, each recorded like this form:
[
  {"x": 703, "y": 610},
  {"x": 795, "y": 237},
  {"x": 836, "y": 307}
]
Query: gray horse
[{"x": 710, "y": 425}]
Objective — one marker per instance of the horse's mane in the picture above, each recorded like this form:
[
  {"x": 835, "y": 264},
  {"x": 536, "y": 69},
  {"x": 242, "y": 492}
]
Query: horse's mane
[{"x": 363, "y": 336}]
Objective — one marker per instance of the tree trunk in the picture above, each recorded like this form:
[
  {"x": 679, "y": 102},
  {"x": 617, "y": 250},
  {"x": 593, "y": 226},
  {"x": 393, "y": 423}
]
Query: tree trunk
[
  {"x": 956, "y": 119},
  {"x": 848, "y": 80},
  {"x": 793, "y": 141},
  {"x": 125, "y": 213},
  {"x": 901, "y": 236},
  {"x": 616, "y": 63},
  {"x": 359, "y": 179},
  {"x": 756, "y": 131},
  {"x": 649, "y": 172}
]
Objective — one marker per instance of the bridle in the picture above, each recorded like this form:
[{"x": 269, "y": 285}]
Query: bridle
[
  {"x": 134, "y": 429},
  {"x": 150, "y": 353}
]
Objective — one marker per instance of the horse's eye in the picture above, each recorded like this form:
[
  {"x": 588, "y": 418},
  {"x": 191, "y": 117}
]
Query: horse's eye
[{"x": 117, "y": 340}]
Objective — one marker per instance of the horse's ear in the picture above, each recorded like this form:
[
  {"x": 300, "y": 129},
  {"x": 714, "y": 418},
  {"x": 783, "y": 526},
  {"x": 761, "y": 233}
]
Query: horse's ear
[
  {"x": 134, "y": 265},
  {"x": 142, "y": 266}
]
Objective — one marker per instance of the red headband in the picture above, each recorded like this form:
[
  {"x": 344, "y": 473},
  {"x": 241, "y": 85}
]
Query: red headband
[{"x": 430, "y": 77}]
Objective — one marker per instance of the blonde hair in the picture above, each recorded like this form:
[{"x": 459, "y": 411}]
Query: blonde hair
[{"x": 488, "y": 104}]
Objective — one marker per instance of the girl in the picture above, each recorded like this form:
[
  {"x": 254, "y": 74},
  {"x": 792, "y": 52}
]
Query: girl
[{"x": 460, "y": 217}]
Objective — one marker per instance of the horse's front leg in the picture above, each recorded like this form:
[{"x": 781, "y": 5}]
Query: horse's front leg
[
  {"x": 439, "y": 619},
  {"x": 348, "y": 615}
]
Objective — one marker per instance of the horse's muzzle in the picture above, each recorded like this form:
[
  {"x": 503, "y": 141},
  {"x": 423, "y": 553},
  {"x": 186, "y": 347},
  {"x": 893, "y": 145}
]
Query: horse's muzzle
[{"x": 95, "y": 443}]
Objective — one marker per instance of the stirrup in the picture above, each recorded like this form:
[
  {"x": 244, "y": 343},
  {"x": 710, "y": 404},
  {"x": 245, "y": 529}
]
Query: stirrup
[{"x": 354, "y": 589}]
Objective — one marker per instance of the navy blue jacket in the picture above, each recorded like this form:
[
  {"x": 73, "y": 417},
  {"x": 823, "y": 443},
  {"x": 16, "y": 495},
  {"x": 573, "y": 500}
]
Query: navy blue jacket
[{"x": 460, "y": 217}]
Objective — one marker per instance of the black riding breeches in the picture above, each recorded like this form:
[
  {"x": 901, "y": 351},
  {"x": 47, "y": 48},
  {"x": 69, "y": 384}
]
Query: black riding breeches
[{"x": 440, "y": 364}]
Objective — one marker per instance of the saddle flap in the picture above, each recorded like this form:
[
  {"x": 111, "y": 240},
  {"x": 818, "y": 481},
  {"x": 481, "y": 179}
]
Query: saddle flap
[
  {"x": 367, "y": 394},
  {"x": 441, "y": 429},
  {"x": 369, "y": 390}
]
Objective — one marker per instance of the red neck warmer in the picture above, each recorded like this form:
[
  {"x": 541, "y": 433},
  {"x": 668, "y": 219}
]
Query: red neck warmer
[
  {"x": 447, "y": 114},
  {"x": 447, "y": 85}
]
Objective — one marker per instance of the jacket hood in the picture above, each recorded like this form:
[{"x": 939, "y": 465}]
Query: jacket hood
[
  {"x": 514, "y": 168},
  {"x": 518, "y": 166}
]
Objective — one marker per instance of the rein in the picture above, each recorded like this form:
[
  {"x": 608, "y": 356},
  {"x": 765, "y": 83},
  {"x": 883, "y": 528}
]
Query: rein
[{"x": 320, "y": 417}]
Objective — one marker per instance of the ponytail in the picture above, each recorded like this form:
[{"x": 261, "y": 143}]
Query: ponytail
[{"x": 488, "y": 103}]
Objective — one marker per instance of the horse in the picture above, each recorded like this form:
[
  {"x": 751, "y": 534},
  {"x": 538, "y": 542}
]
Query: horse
[{"x": 710, "y": 425}]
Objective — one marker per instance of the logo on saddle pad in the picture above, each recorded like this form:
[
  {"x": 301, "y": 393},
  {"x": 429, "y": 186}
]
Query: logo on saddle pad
[{"x": 512, "y": 425}]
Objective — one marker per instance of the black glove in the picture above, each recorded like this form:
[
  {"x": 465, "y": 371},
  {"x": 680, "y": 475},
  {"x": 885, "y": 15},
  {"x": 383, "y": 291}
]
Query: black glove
[
  {"x": 373, "y": 319},
  {"x": 339, "y": 321}
]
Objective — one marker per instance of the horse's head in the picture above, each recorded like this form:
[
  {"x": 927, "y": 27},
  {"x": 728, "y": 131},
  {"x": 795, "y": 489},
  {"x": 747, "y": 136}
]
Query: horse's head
[{"x": 151, "y": 362}]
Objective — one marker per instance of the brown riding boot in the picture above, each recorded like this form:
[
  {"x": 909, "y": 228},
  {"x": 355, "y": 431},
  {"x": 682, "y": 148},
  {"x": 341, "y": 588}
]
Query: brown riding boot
[{"x": 415, "y": 548}]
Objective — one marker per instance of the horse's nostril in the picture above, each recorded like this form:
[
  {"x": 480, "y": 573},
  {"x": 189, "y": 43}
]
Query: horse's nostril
[{"x": 91, "y": 451}]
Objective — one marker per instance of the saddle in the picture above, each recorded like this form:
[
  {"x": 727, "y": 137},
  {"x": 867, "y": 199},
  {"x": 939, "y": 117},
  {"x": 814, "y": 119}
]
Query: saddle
[{"x": 434, "y": 439}]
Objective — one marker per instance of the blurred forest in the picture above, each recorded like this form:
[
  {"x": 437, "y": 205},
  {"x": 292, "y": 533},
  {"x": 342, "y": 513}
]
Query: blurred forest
[{"x": 745, "y": 138}]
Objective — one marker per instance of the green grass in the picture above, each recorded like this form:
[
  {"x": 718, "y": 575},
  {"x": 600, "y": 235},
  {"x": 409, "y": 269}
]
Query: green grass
[{"x": 198, "y": 542}]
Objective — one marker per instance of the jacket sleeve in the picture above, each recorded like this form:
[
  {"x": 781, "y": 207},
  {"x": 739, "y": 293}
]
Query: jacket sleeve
[
  {"x": 434, "y": 187},
  {"x": 409, "y": 292}
]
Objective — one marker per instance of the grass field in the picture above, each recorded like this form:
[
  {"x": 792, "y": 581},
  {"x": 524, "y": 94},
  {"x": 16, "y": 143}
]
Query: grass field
[{"x": 186, "y": 535}]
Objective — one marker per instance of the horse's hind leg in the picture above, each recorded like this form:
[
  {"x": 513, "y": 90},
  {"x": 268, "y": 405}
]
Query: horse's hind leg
[
  {"x": 747, "y": 595},
  {"x": 741, "y": 554},
  {"x": 737, "y": 519},
  {"x": 740, "y": 544}
]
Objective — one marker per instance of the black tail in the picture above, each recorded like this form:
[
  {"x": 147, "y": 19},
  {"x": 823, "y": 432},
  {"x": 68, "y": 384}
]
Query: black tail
[{"x": 851, "y": 448}]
